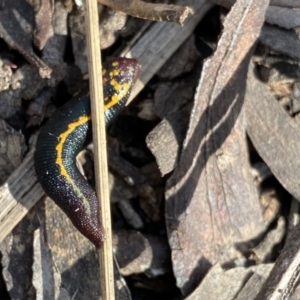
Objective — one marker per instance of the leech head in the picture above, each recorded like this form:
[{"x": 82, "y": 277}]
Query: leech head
[{"x": 119, "y": 76}]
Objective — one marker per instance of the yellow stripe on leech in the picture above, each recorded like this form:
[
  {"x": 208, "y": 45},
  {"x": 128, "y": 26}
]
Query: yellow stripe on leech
[
  {"x": 114, "y": 73},
  {"x": 121, "y": 91},
  {"x": 59, "y": 160}
]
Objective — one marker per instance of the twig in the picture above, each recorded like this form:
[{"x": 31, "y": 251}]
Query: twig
[
  {"x": 99, "y": 139},
  {"x": 150, "y": 11}
]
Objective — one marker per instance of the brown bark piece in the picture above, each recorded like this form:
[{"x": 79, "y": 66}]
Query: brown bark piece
[
  {"x": 5, "y": 75},
  {"x": 17, "y": 257},
  {"x": 181, "y": 62},
  {"x": 110, "y": 24},
  {"x": 211, "y": 202},
  {"x": 42, "y": 268},
  {"x": 281, "y": 40},
  {"x": 12, "y": 149},
  {"x": 170, "y": 97},
  {"x": 11, "y": 102},
  {"x": 150, "y": 11},
  {"x": 255, "y": 282},
  {"x": 289, "y": 18},
  {"x": 165, "y": 141},
  {"x": 285, "y": 273},
  {"x": 263, "y": 252},
  {"x": 18, "y": 195},
  {"x": 132, "y": 176},
  {"x": 16, "y": 19},
  {"x": 225, "y": 285},
  {"x": 286, "y": 3},
  {"x": 274, "y": 134},
  {"x": 76, "y": 259},
  {"x": 283, "y": 17},
  {"x": 43, "y": 19},
  {"x": 138, "y": 253},
  {"x": 37, "y": 108},
  {"x": 54, "y": 50},
  {"x": 270, "y": 205},
  {"x": 75, "y": 256}
]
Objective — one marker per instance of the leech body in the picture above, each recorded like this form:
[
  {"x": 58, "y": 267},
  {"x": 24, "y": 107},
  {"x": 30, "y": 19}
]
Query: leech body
[{"x": 65, "y": 134}]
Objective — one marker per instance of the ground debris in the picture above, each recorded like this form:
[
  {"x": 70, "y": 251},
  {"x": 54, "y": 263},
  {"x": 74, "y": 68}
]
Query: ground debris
[{"x": 203, "y": 180}]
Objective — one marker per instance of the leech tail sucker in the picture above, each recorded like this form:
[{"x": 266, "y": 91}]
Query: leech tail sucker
[{"x": 64, "y": 136}]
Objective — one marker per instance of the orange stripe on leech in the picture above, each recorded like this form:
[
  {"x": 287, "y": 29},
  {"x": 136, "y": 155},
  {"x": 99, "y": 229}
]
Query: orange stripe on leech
[{"x": 59, "y": 160}]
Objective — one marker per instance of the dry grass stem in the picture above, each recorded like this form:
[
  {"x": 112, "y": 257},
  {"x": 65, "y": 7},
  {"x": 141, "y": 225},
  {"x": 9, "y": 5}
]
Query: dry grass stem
[{"x": 100, "y": 155}]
